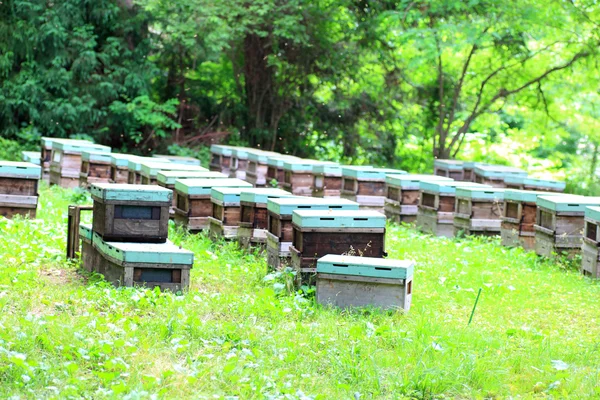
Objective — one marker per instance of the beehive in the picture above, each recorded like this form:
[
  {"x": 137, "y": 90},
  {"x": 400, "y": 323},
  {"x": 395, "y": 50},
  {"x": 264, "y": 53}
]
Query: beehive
[
  {"x": 526, "y": 183},
  {"x": 46, "y": 152},
  {"x": 193, "y": 201},
  {"x": 88, "y": 252},
  {"x": 119, "y": 167},
  {"x": 478, "y": 211},
  {"x": 167, "y": 179},
  {"x": 279, "y": 220},
  {"x": 220, "y": 160},
  {"x": 275, "y": 172},
  {"x": 403, "y": 193},
  {"x": 345, "y": 281},
  {"x": 254, "y": 222},
  {"x": 144, "y": 264},
  {"x": 181, "y": 160},
  {"x": 327, "y": 180},
  {"x": 19, "y": 188},
  {"x": 67, "y": 159},
  {"x": 518, "y": 220},
  {"x": 449, "y": 168},
  {"x": 136, "y": 213},
  {"x": 494, "y": 175},
  {"x": 239, "y": 163},
  {"x": 469, "y": 170},
  {"x": 436, "y": 207},
  {"x": 317, "y": 233},
  {"x": 366, "y": 185},
  {"x": 590, "y": 256},
  {"x": 33, "y": 157},
  {"x": 298, "y": 175},
  {"x": 560, "y": 224},
  {"x": 149, "y": 170},
  {"x": 95, "y": 168},
  {"x": 226, "y": 212},
  {"x": 256, "y": 174},
  {"x": 134, "y": 166}
]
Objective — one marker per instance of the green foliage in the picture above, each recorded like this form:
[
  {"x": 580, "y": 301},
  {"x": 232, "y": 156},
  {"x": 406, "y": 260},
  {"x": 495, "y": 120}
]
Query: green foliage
[{"x": 10, "y": 150}]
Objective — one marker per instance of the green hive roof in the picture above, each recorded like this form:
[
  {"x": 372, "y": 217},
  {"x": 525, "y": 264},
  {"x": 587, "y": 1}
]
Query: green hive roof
[
  {"x": 414, "y": 180},
  {"x": 221, "y": 149},
  {"x": 95, "y": 156},
  {"x": 34, "y": 157},
  {"x": 303, "y": 165},
  {"x": 169, "y": 177},
  {"x": 20, "y": 169},
  {"x": 135, "y": 164},
  {"x": 285, "y": 206},
  {"x": 524, "y": 180},
  {"x": 567, "y": 203},
  {"x": 454, "y": 165},
  {"x": 365, "y": 266},
  {"x": 146, "y": 253},
  {"x": 182, "y": 160},
  {"x": 527, "y": 196},
  {"x": 121, "y": 160},
  {"x": 490, "y": 193},
  {"x": 151, "y": 169},
  {"x": 338, "y": 219},
  {"x": 197, "y": 187},
  {"x": 127, "y": 192},
  {"x": 498, "y": 171},
  {"x": 262, "y": 195},
  {"x": 79, "y": 147},
  {"x": 447, "y": 187}
]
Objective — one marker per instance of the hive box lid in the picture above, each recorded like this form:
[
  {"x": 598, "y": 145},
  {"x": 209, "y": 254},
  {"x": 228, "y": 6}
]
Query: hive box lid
[
  {"x": 279, "y": 160},
  {"x": 34, "y": 157},
  {"x": 567, "y": 203},
  {"x": 303, "y": 165},
  {"x": 498, "y": 171},
  {"x": 85, "y": 230},
  {"x": 472, "y": 164},
  {"x": 201, "y": 186},
  {"x": 524, "y": 180},
  {"x": 261, "y": 156},
  {"x": 221, "y": 149},
  {"x": 169, "y": 177},
  {"x": 527, "y": 196},
  {"x": 365, "y": 266},
  {"x": 262, "y": 195},
  {"x": 328, "y": 169},
  {"x": 453, "y": 165},
  {"x": 370, "y": 172},
  {"x": 490, "y": 193},
  {"x": 226, "y": 194},
  {"x": 240, "y": 153},
  {"x": 447, "y": 187},
  {"x": 338, "y": 219},
  {"x": 414, "y": 180},
  {"x": 285, "y": 206},
  {"x": 146, "y": 253},
  {"x": 95, "y": 156},
  {"x": 150, "y": 169},
  {"x": 20, "y": 169},
  {"x": 135, "y": 164},
  {"x": 593, "y": 213},
  {"x": 181, "y": 160},
  {"x": 48, "y": 141},
  {"x": 126, "y": 192},
  {"x": 121, "y": 160},
  {"x": 79, "y": 147}
]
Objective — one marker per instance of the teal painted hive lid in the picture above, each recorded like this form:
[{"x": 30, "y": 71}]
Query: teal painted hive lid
[
  {"x": 95, "y": 156},
  {"x": 366, "y": 266},
  {"x": 48, "y": 141},
  {"x": 338, "y": 219},
  {"x": 221, "y": 149},
  {"x": 527, "y": 196},
  {"x": 20, "y": 169},
  {"x": 285, "y": 206},
  {"x": 262, "y": 195},
  {"x": 241, "y": 153},
  {"x": 34, "y": 157},
  {"x": 79, "y": 147},
  {"x": 452, "y": 165},
  {"x": 169, "y": 177},
  {"x": 490, "y": 193},
  {"x": 593, "y": 213},
  {"x": 226, "y": 195},
  {"x": 567, "y": 203},
  {"x": 370, "y": 173},
  {"x": 544, "y": 183},
  {"x": 498, "y": 171},
  {"x": 121, "y": 160},
  {"x": 328, "y": 169},
  {"x": 126, "y": 192},
  {"x": 151, "y": 169},
  {"x": 303, "y": 165},
  {"x": 447, "y": 187},
  {"x": 472, "y": 164},
  {"x": 85, "y": 231},
  {"x": 199, "y": 186},
  {"x": 181, "y": 160},
  {"x": 135, "y": 164},
  {"x": 261, "y": 156},
  {"x": 413, "y": 181},
  {"x": 145, "y": 253},
  {"x": 278, "y": 160}
]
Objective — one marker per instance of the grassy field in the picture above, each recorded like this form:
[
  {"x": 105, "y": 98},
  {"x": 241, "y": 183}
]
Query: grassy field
[{"x": 241, "y": 333}]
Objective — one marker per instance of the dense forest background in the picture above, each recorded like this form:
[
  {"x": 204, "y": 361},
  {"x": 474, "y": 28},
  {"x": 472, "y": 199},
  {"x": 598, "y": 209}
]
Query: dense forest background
[{"x": 394, "y": 83}]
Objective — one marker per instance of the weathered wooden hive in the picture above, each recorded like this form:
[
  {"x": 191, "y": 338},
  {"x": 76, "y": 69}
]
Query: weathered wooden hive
[
  {"x": 254, "y": 217},
  {"x": 436, "y": 206},
  {"x": 449, "y": 168},
  {"x": 144, "y": 264},
  {"x": 403, "y": 193},
  {"x": 256, "y": 173},
  {"x": 150, "y": 170},
  {"x": 518, "y": 220},
  {"x": 298, "y": 175},
  {"x": 469, "y": 170},
  {"x": 494, "y": 175},
  {"x": 134, "y": 166},
  {"x": 181, "y": 160},
  {"x": 239, "y": 163},
  {"x": 478, "y": 211},
  {"x": 275, "y": 172},
  {"x": 67, "y": 159},
  {"x": 350, "y": 281},
  {"x": 34, "y": 157},
  {"x": 317, "y": 233},
  {"x": 46, "y": 152},
  {"x": 193, "y": 201},
  {"x": 135, "y": 213},
  {"x": 119, "y": 167},
  {"x": 167, "y": 179},
  {"x": 88, "y": 252},
  {"x": 95, "y": 168},
  {"x": 526, "y": 183},
  {"x": 279, "y": 220},
  {"x": 327, "y": 180},
  {"x": 226, "y": 212},
  {"x": 19, "y": 188},
  {"x": 366, "y": 185},
  {"x": 220, "y": 160},
  {"x": 590, "y": 256},
  {"x": 560, "y": 223}
]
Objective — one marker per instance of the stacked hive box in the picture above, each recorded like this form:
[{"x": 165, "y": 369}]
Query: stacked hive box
[
  {"x": 560, "y": 223},
  {"x": 275, "y": 172},
  {"x": 525, "y": 183},
  {"x": 469, "y": 170},
  {"x": 239, "y": 163},
  {"x": 33, "y": 157},
  {"x": 19, "y": 188},
  {"x": 436, "y": 207},
  {"x": 298, "y": 176},
  {"x": 494, "y": 175},
  {"x": 279, "y": 236},
  {"x": 167, "y": 179},
  {"x": 88, "y": 252},
  {"x": 403, "y": 193},
  {"x": 149, "y": 170},
  {"x": 46, "y": 152},
  {"x": 130, "y": 229},
  {"x": 95, "y": 168},
  {"x": 256, "y": 173},
  {"x": 193, "y": 204},
  {"x": 119, "y": 167},
  {"x": 181, "y": 160},
  {"x": 450, "y": 169},
  {"x": 345, "y": 281},
  {"x": 226, "y": 212},
  {"x": 366, "y": 185},
  {"x": 66, "y": 161},
  {"x": 327, "y": 180},
  {"x": 590, "y": 256},
  {"x": 134, "y": 167},
  {"x": 220, "y": 160},
  {"x": 478, "y": 211}
]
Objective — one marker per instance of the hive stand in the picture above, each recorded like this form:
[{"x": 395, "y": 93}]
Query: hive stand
[
  {"x": 134, "y": 166},
  {"x": 239, "y": 163},
  {"x": 19, "y": 188},
  {"x": 450, "y": 169},
  {"x": 436, "y": 206},
  {"x": 220, "y": 160},
  {"x": 256, "y": 174},
  {"x": 298, "y": 175},
  {"x": 46, "y": 153},
  {"x": 366, "y": 186},
  {"x": 560, "y": 223},
  {"x": 327, "y": 180},
  {"x": 119, "y": 170},
  {"x": 478, "y": 211},
  {"x": 193, "y": 201},
  {"x": 494, "y": 175},
  {"x": 167, "y": 180},
  {"x": 469, "y": 170},
  {"x": 344, "y": 281},
  {"x": 403, "y": 193},
  {"x": 181, "y": 160},
  {"x": 275, "y": 172},
  {"x": 95, "y": 168},
  {"x": 226, "y": 213},
  {"x": 590, "y": 256},
  {"x": 526, "y": 183},
  {"x": 66, "y": 161},
  {"x": 73, "y": 229},
  {"x": 150, "y": 170}
]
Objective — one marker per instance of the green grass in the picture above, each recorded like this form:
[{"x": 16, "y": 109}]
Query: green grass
[{"x": 238, "y": 335}]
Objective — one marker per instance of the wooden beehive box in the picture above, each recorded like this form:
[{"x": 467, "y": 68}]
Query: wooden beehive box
[
  {"x": 317, "y": 233},
  {"x": 478, "y": 211},
  {"x": 149, "y": 170},
  {"x": 449, "y": 168},
  {"x": 560, "y": 223},
  {"x": 67, "y": 159},
  {"x": 193, "y": 204},
  {"x": 95, "y": 168},
  {"x": 88, "y": 252},
  {"x": 181, "y": 160},
  {"x": 19, "y": 188},
  {"x": 46, "y": 152},
  {"x": 275, "y": 172},
  {"x": 256, "y": 173},
  {"x": 436, "y": 206},
  {"x": 134, "y": 167},
  {"x": 469, "y": 170},
  {"x": 119, "y": 167},
  {"x": 239, "y": 163},
  {"x": 135, "y": 213},
  {"x": 298, "y": 175},
  {"x": 526, "y": 183},
  {"x": 366, "y": 185},
  {"x": 494, "y": 175},
  {"x": 403, "y": 193},
  {"x": 167, "y": 179},
  {"x": 327, "y": 180},
  {"x": 220, "y": 160},
  {"x": 346, "y": 281},
  {"x": 279, "y": 222},
  {"x": 144, "y": 264},
  {"x": 226, "y": 212},
  {"x": 254, "y": 217},
  {"x": 590, "y": 256}
]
